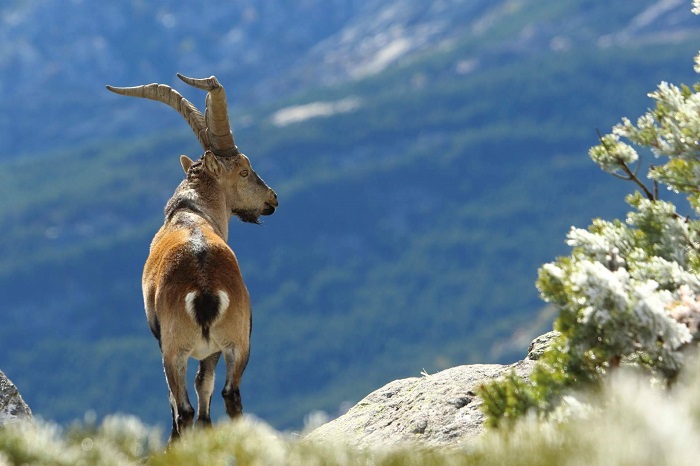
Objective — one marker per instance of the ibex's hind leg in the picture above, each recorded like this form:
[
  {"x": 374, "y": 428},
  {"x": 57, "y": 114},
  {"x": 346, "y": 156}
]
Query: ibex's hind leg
[
  {"x": 204, "y": 385},
  {"x": 235, "y": 365},
  {"x": 173, "y": 412},
  {"x": 176, "y": 375}
]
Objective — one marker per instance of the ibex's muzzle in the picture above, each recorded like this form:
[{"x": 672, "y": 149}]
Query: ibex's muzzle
[{"x": 271, "y": 204}]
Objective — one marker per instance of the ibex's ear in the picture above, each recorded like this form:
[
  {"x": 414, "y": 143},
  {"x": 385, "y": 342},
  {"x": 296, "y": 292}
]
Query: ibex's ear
[
  {"x": 211, "y": 164},
  {"x": 186, "y": 162}
]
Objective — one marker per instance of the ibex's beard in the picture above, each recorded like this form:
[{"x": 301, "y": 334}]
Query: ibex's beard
[
  {"x": 248, "y": 216},
  {"x": 253, "y": 215}
]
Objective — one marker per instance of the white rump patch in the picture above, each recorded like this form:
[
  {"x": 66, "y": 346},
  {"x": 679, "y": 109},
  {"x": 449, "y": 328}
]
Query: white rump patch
[
  {"x": 204, "y": 348},
  {"x": 189, "y": 304},
  {"x": 223, "y": 304}
]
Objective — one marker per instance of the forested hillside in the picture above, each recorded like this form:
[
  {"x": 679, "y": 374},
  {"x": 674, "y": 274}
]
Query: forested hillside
[{"x": 419, "y": 191}]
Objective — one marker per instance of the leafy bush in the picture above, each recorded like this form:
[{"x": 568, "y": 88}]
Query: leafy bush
[{"x": 629, "y": 293}]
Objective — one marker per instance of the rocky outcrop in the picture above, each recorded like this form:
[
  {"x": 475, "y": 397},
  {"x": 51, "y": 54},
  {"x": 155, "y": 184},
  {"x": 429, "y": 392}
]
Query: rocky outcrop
[
  {"x": 540, "y": 344},
  {"x": 12, "y": 406},
  {"x": 441, "y": 409}
]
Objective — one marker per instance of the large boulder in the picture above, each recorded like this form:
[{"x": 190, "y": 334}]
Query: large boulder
[
  {"x": 441, "y": 409},
  {"x": 12, "y": 406}
]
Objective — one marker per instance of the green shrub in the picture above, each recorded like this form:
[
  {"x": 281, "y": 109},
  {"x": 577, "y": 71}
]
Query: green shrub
[{"x": 629, "y": 293}]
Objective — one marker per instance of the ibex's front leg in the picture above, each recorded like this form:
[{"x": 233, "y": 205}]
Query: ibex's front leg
[
  {"x": 175, "y": 366},
  {"x": 204, "y": 385},
  {"x": 236, "y": 360}
]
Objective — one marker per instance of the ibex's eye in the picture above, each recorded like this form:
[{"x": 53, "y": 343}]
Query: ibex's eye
[{"x": 244, "y": 173}]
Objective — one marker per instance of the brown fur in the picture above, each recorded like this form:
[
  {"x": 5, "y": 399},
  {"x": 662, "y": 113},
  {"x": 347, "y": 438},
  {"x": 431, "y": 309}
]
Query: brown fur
[
  {"x": 196, "y": 302},
  {"x": 190, "y": 265}
]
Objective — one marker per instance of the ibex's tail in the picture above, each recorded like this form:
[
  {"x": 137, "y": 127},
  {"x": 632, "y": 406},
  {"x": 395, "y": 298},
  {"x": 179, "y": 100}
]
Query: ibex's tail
[{"x": 206, "y": 308}]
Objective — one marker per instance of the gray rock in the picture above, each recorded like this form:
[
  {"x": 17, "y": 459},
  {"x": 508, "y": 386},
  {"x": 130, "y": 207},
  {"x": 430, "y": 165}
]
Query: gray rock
[
  {"x": 436, "y": 410},
  {"x": 12, "y": 406},
  {"x": 540, "y": 344}
]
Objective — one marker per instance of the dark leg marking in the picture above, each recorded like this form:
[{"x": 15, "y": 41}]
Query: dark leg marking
[
  {"x": 235, "y": 364},
  {"x": 232, "y": 400},
  {"x": 173, "y": 433},
  {"x": 183, "y": 418},
  {"x": 204, "y": 385},
  {"x": 175, "y": 366}
]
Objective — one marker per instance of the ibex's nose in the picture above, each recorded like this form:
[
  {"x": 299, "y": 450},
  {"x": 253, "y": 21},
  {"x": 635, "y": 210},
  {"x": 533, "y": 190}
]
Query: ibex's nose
[{"x": 271, "y": 204}]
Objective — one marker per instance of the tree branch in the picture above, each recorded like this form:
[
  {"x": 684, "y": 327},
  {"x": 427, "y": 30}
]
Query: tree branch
[{"x": 631, "y": 176}]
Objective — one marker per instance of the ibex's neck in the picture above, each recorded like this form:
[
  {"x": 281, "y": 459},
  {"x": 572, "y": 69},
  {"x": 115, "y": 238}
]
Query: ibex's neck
[{"x": 211, "y": 207}]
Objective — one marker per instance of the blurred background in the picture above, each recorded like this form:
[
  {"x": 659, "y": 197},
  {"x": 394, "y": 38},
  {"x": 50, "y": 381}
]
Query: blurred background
[{"x": 428, "y": 156}]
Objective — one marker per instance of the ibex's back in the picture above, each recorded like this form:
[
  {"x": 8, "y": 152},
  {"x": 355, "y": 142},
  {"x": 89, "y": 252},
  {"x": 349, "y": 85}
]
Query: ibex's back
[
  {"x": 185, "y": 289},
  {"x": 196, "y": 302}
]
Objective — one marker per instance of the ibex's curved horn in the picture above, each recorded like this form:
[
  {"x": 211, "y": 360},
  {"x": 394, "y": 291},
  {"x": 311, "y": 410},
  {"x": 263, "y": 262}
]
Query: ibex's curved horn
[
  {"x": 168, "y": 95},
  {"x": 215, "y": 115}
]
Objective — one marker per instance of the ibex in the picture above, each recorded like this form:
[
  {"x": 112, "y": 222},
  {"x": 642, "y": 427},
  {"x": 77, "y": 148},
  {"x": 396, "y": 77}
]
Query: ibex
[{"x": 196, "y": 302}]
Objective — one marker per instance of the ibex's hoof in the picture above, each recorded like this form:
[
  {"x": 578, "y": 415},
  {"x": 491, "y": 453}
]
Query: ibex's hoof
[
  {"x": 232, "y": 399},
  {"x": 204, "y": 422}
]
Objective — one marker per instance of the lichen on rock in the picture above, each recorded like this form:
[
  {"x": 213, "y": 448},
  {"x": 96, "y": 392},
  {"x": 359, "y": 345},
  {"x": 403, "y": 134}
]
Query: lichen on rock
[
  {"x": 12, "y": 406},
  {"x": 439, "y": 409}
]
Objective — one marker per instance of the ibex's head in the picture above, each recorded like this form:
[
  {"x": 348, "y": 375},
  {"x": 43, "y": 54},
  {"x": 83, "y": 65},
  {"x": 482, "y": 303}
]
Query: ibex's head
[{"x": 246, "y": 194}]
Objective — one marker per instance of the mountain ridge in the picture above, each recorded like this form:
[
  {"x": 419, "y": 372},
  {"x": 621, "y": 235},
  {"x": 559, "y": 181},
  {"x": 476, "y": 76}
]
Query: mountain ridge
[{"x": 59, "y": 53}]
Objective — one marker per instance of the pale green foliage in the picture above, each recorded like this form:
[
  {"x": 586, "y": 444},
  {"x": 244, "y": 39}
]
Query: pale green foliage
[
  {"x": 629, "y": 292},
  {"x": 616, "y": 289},
  {"x": 612, "y": 153},
  {"x": 672, "y": 131},
  {"x": 627, "y": 422},
  {"x": 119, "y": 440}
]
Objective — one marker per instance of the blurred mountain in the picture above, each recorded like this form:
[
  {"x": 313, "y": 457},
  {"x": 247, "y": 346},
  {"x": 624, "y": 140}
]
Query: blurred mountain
[
  {"x": 56, "y": 56},
  {"x": 429, "y": 156}
]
